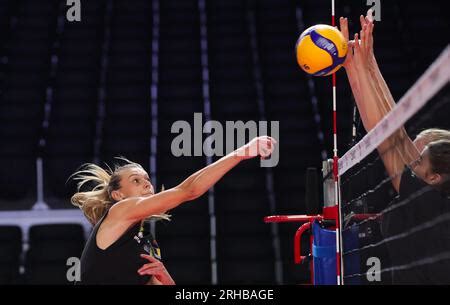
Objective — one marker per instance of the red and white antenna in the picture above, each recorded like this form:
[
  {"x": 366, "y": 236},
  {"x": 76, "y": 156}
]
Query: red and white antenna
[{"x": 339, "y": 262}]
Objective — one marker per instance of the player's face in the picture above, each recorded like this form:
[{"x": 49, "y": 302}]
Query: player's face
[
  {"x": 422, "y": 167},
  {"x": 135, "y": 182}
]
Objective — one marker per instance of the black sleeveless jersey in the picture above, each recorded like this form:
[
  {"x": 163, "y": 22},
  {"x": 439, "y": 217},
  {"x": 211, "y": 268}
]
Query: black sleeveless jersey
[{"x": 119, "y": 263}]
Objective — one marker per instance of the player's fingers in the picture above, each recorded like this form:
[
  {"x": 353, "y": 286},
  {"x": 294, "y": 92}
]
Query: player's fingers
[
  {"x": 149, "y": 257},
  {"x": 151, "y": 265},
  {"x": 150, "y": 271},
  {"x": 362, "y": 20},
  {"x": 362, "y": 35},
  {"x": 356, "y": 43},
  {"x": 372, "y": 25},
  {"x": 344, "y": 27}
]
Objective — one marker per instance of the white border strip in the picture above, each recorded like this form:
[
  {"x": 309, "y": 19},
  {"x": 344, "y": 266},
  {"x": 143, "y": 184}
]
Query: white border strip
[
  {"x": 26, "y": 219},
  {"x": 436, "y": 76}
]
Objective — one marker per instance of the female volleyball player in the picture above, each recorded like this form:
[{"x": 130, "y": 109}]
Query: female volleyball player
[
  {"x": 419, "y": 256},
  {"x": 120, "y": 200}
]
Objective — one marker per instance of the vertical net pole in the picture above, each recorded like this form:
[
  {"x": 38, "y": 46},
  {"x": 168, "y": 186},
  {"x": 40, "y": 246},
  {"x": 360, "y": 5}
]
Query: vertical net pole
[{"x": 335, "y": 170}]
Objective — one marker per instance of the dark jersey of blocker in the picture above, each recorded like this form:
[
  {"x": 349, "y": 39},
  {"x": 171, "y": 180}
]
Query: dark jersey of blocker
[
  {"x": 119, "y": 263},
  {"x": 421, "y": 255}
]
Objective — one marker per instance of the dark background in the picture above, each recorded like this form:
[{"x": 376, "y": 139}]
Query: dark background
[{"x": 55, "y": 79}]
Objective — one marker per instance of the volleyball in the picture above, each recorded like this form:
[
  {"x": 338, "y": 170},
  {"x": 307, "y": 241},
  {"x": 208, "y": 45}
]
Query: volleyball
[{"x": 321, "y": 50}]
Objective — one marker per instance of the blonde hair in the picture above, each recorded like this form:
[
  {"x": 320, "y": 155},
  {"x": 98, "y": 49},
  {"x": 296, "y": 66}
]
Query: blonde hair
[
  {"x": 434, "y": 134},
  {"x": 102, "y": 182}
]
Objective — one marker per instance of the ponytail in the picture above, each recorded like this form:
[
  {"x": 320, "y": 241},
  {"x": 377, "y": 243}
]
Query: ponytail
[{"x": 96, "y": 202}]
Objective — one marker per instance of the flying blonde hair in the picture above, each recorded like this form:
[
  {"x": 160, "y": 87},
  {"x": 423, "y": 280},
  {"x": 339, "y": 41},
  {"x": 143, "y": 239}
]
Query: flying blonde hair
[{"x": 102, "y": 182}]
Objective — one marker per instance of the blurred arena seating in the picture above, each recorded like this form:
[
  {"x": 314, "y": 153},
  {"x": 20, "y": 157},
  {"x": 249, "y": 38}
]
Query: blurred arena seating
[{"x": 76, "y": 92}]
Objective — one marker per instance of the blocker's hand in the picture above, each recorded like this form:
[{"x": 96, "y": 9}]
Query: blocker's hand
[
  {"x": 360, "y": 49},
  {"x": 366, "y": 36}
]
